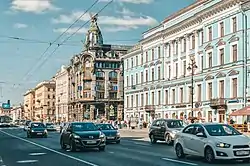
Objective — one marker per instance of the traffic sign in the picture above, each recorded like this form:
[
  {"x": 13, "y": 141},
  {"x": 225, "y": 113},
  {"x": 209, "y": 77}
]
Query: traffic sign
[{"x": 5, "y": 105}]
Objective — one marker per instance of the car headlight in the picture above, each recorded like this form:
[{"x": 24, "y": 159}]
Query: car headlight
[
  {"x": 223, "y": 145},
  {"x": 102, "y": 135},
  {"x": 118, "y": 134},
  {"x": 45, "y": 131},
  {"x": 32, "y": 131},
  {"x": 76, "y": 136}
]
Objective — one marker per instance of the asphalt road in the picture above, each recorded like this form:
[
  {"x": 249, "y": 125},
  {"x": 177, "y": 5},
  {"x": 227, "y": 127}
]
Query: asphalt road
[{"x": 16, "y": 149}]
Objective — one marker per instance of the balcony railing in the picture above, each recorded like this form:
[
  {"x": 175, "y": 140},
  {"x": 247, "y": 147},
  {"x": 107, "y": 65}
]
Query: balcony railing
[
  {"x": 217, "y": 102},
  {"x": 149, "y": 107}
]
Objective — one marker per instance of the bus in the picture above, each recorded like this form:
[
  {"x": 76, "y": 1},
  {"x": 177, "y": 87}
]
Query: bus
[{"x": 5, "y": 121}]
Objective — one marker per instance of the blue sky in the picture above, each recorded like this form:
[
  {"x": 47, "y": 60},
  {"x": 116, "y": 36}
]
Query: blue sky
[{"x": 40, "y": 22}]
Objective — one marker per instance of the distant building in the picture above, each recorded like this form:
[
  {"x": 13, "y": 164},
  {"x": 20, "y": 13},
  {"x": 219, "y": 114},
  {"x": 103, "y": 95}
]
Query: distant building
[
  {"x": 62, "y": 94},
  {"x": 45, "y": 101},
  {"x": 17, "y": 112},
  {"x": 96, "y": 79},
  {"x": 29, "y": 104}
]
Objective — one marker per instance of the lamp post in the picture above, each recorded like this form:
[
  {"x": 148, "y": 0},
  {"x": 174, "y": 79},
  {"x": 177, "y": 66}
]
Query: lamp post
[{"x": 191, "y": 67}]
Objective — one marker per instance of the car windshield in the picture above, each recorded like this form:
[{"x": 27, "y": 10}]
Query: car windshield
[
  {"x": 106, "y": 126},
  {"x": 37, "y": 125},
  {"x": 221, "y": 130},
  {"x": 49, "y": 124},
  {"x": 175, "y": 124},
  {"x": 84, "y": 127}
]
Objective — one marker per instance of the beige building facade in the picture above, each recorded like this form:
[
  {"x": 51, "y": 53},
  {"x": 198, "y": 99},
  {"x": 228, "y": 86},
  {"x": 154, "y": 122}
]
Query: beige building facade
[
  {"x": 62, "y": 94},
  {"x": 45, "y": 101},
  {"x": 29, "y": 104}
]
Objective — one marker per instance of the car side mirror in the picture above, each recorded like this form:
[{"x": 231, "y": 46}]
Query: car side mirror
[{"x": 202, "y": 135}]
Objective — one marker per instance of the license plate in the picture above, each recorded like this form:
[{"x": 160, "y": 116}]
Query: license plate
[
  {"x": 110, "y": 137},
  {"x": 240, "y": 153},
  {"x": 39, "y": 133},
  {"x": 91, "y": 142}
]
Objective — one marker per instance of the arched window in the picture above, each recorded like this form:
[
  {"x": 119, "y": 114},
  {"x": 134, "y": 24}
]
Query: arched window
[{"x": 113, "y": 75}]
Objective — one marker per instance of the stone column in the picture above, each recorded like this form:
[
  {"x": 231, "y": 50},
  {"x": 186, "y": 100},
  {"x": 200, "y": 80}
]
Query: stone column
[
  {"x": 92, "y": 112},
  {"x": 179, "y": 58},
  {"x": 171, "y": 46}
]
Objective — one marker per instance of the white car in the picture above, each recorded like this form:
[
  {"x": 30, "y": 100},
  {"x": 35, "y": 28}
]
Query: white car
[{"x": 212, "y": 141}]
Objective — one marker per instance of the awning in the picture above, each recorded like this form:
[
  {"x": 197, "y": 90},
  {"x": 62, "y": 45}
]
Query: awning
[{"x": 242, "y": 112}]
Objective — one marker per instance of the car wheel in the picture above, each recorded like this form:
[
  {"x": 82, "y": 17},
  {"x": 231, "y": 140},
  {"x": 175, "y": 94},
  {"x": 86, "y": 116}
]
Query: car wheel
[
  {"x": 118, "y": 141},
  {"x": 179, "y": 151},
  {"x": 209, "y": 155},
  {"x": 102, "y": 148},
  {"x": 63, "y": 146},
  {"x": 152, "y": 139},
  {"x": 72, "y": 146},
  {"x": 168, "y": 139}
]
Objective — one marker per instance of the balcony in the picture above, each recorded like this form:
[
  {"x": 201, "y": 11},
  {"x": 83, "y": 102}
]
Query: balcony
[
  {"x": 113, "y": 79},
  {"x": 87, "y": 78},
  {"x": 149, "y": 108},
  {"x": 217, "y": 103}
]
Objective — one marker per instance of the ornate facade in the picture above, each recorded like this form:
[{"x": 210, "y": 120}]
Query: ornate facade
[
  {"x": 213, "y": 33},
  {"x": 96, "y": 79}
]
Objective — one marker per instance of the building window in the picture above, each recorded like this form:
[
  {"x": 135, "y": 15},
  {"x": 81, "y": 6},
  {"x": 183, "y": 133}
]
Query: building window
[
  {"x": 193, "y": 41},
  {"x": 184, "y": 45},
  {"x": 132, "y": 101},
  {"x": 181, "y": 95},
  {"x": 159, "y": 97},
  {"x": 210, "y": 90},
  {"x": 173, "y": 96},
  {"x": 176, "y": 70},
  {"x": 141, "y": 77},
  {"x": 210, "y": 60},
  {"x": 127, "y": 101},
  {"x": 176, "y": 47},
  {"x": 132, "y": 63},
  {"x": 169, "y": 72},
  {"x": 142, "y": 100},
  {"x": 184, "y": 67},
  {"x": 221, "y": 89},
  {"x": 166, "y": 96},
  {"x": 136, "y": 78},
  {"x": 235, "y": 87},
  {"x": 159, "y": 52},
  {"x": 199, "y": 92},
  {"x": 153, "y": 54},
  {"x": 127, "y": 64},
  {"x": 132, "y": 80},
  {"x": 141, "y": 59},
  {"x": 153, "y": 74},
  {"x": 137, "y": 100},
  {"x": 146, "y": 98},
  {"x": 234, "y": 20},
  {"x": 222, "y": 29},
  {"x": 235, "y": 52},
  {"x": 202, "y": 37},
  {"x": 190, "y": 94},
  {"x": 48, "y": 96},
  {"x": 222, "y": 56},
  {"x": 146, "y": 75},
  {"x": 159, "y": 73},
  {"x": 210, "y": 34},
  {"x": 153, "y": 98},
  {"x": 146, "y": 56},
  {"x": 127, "y": 81},
  {"x": 202, "y": 62},
  {"x": 136, "y": 60},
  {"x": 169, "y": 50}
]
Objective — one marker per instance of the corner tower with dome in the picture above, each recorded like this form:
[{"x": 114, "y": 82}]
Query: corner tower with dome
[{"x": 96, "y": 79}]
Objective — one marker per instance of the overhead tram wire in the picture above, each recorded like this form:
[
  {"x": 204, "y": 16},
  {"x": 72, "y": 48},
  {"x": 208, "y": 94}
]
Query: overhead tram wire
[
  {"x": 60, "y": 37},
  {"x": 65, "y": 40}
]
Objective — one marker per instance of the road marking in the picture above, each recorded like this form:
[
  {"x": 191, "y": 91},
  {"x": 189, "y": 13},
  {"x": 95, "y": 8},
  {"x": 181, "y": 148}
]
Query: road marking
[
  {"x": 36, "y": 154},
  {"x": 27, "y": 161},
  {"x": 51, "y": 150},
  {"x": 111, "y": 152},
  {"x": 144, "y": 144},
  {"x": 178, "y": 161}
]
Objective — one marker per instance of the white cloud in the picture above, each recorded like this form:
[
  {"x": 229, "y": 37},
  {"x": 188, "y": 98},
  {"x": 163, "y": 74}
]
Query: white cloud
[
  {"x": 34, "y": 6},
  {"x": 131, "y": 1},
  {"x": 118, "y": 28},
  {"x": 71, "y": 30},
  {"x": 126, "y": 12},
  {"x": 124, "y": 22},
  {"x": 20, "y": 25}
]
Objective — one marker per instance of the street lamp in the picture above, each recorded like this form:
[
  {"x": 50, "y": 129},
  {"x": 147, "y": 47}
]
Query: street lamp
[{"x": 191, "y": 67}]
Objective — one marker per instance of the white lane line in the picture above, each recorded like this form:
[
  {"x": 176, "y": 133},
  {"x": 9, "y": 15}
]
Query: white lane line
[
  {"x": 178, "y": 161},
  {"x": 27, "y": 161},
  {"x": 36, "y": 154},
  {"x": 111, "y": 152},
  {"x": 52, "y": 150}
]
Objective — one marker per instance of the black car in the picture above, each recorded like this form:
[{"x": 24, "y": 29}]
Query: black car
[
  {"x": 111, "y": 133},
  {"x": 37, "y": 129},
  {"x": 50, "y": 126},
  {"x": 78, "y": 135}
]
